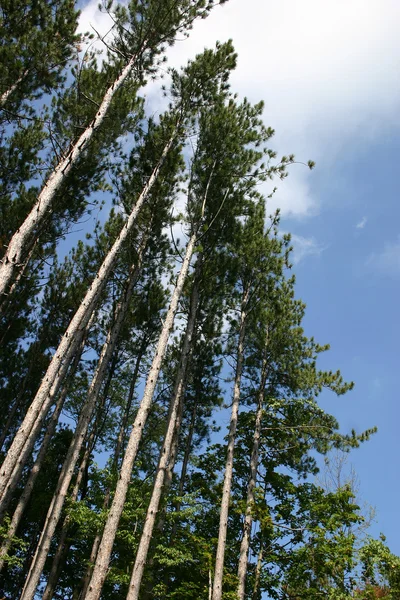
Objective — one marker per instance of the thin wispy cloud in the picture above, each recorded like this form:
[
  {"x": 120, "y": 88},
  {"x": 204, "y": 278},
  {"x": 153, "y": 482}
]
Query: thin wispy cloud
[
  {"x": 305, "y": 247},
  {"x": 362, "y": 223},
  {"x": 386, "y": 262}
]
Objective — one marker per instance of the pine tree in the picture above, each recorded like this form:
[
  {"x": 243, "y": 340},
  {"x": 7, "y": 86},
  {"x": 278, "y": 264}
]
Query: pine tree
[
  {"x": 130, "y": 351},
  {"x": 37, "y": 41},
  {"x": 142, "y": 32},
  {"x": 194, "y": 82}
]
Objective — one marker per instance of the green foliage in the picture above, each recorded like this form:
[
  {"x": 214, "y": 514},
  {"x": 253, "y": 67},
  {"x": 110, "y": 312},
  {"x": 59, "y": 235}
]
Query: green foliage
[
  {"x": 38, "y": 38},
  {"x": 380, "y": 571},
  {"x": 302, "y": 536},
  {"x": 18, "y": 545}
]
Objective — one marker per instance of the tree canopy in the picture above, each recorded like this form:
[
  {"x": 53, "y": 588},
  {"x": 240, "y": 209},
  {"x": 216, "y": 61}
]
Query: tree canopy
[{"x": 162, "y": 429}]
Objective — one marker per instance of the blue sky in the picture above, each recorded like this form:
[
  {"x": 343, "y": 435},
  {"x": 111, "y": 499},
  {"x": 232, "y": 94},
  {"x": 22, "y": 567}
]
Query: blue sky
[
  {"x": 351, "y": 289},
  {"x": 329, "y": 73}
]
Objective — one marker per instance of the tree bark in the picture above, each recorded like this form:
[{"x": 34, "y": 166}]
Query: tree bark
[
  {"x": 78, "y": 438},
  {"x": 248, "y": 521},
  {"x": 5, "y": 95},
  {"x": 171, "y": 435},
  {"x": 169, "y": 471},
  {"x": 64, "y": 354},
  {"x": 14, "y": 257},
  {"x": 26, "y": 494},
  {"x": 185, "y": 462},
  {"x": 125, "y": 420},
  {"x": 63, "y": 544},
  {"x": 226, "y": 491},
  {"x": 28, "y": 447},
  {"x": 103, "y": 556},
  {"x": 118, "y": 447},
  {"x": 256, "y": 588}
]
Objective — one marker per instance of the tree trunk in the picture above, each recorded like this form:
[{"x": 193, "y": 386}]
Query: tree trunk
[
  {"x": 63, "y": 544},
  {"x": 223, "y": 522},
  {"x": 78, "y": 438},
  {"x": 125, "y": 420},
  {"x": 3, "y": 298},
  {"x": 28, "y": 447},
  {"x": 118, "y": 447},
  {"x": 147, "y": 593},
  {"x": 103, "y": 556},
  {"x": 185, "y": 462},
  {"x": 248, "y": 521},
  {"x": 171, "y": 435},
  {"x": 12, "y": 414},
  {"x": 64, "y": 354},
  {"x": 5, "y": 95},
  {"x": 256, "y": 595},
  {"x": 169, "y": 471},
  {"x": 14, "y": 257},
  {"x": 26, "y": 494}
]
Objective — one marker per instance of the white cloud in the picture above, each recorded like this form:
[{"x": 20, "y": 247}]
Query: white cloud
[
  {"x": 361, "y": 224},
  {"x": 92, "y": 20},
  {"x": 91, "y": 17},
  {"x": 387, "y": 261},
  {"x": 327, "y": 71},
  {"x": 304, "y": 247}
]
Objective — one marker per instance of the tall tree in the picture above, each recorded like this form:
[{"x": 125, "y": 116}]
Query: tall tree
[
  {"x": 142, "y": 31},
  {"x": 37, "y": 41},
  {"x": 193, "y": 86}
]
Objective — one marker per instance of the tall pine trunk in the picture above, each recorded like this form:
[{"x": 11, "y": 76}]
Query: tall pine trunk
[
  {"x": 78, "y": 438},
  {"x": 63, "y": 544},
  {"x": 110, "y": 529},
  {"x": 67, "y": 347},
  {"x": 13, "y": 260},
  {"x": 245, "y": 544},
  {"x": 5, "y": 95},
  {"x": 117, "y": 452},
  {"x": 256, "y": 595},
  {"x": 29, "y": 444},
  {"x": 28, "y": 488},
  {"x": 226, "y": 491},
  {"x": 185, "y": 462},
  {"x": 171, "y": 435},
  {"x": 128, "y": 408}
]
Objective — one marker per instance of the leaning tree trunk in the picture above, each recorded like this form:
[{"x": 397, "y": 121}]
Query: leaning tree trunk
[
  {"x": 28, "y": 488},
  {"x": 185, "y": 462},
  {"x": 172, "y": 432},
  {"x": 32, "y": 363},
  {"x": 110, "y": 529},
  {"x": 29, "y": 445},
  {"x": 63, "y": 544},
  {"x": 13, "y": 259},
  {"x": 65, "y": 351},
  {"x": 118, "y": 447},
  {"x": 226, "y": 491},
  {"x": 128, "y": 408},
  {"x": 169, "y": 472},
  {"x": 256, "y": 595},
  {"x": 5, "y": 95},
  {"x": 4, "y": 303},
  {"x": 245, "y": 544},
  {"x": 67, "y": 471}
]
